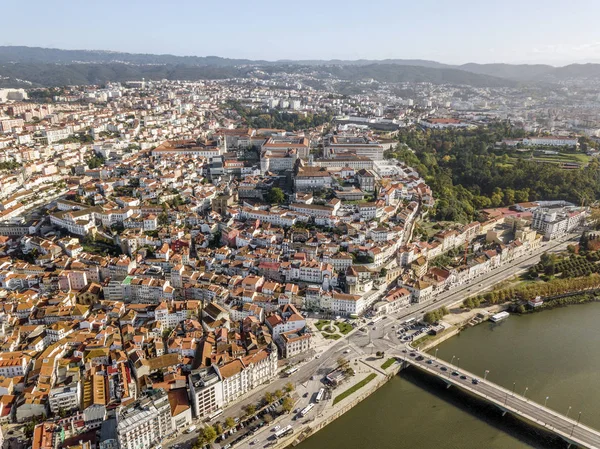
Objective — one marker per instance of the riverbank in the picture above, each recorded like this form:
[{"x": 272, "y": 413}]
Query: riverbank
[
  {"x": 549, "y": 355},
  {"x": 360, "y": 390},
  {"x": 577, "y": 299}
]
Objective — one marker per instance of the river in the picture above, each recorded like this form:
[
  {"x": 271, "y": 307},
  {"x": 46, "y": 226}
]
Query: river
[{"x": 555, "y": 353}]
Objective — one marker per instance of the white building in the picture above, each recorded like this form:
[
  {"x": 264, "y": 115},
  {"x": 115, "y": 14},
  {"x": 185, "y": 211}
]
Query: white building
[
  {"x": 65, "y": 398},
  {"x": 206, "y": 391},
  {"x": 145, "y": 422}
]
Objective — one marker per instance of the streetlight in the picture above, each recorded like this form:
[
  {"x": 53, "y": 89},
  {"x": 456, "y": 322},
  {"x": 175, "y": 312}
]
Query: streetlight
[
  {"x": 436, "y": 350},
  {"x": 458, "y": 363},
  {"x": 451, "y": 361},
  {"x": 568, "y": 411},
  {"x": 547, "y": 397},
  {"x": 514, "y": 385},
  {"x": 573, "y": 429},
  {"x": 485, "y": 374},
  {"x": 525, "y": 392}
]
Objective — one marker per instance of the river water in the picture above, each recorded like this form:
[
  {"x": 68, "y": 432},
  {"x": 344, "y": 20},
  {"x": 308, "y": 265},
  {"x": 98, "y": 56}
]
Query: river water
[{"x": 553, "y": 353}]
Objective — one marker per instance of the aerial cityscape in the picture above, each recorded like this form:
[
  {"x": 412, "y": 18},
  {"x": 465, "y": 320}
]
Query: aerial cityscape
[{"x": 260, "y": 249}]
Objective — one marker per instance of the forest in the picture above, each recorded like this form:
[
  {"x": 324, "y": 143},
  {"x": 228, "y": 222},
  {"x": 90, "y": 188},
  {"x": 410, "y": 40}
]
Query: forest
[{"x": 466, "y": 171}]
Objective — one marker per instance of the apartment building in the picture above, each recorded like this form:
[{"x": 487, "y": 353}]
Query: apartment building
[
  {"x": 206, "y": 391},
  {"x": 145, "y": 422}
]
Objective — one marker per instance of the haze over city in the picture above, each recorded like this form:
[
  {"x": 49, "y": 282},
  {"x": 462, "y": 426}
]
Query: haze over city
[
  {"x": 325, "y": 224},
  {"x": 534, "y": 31}
]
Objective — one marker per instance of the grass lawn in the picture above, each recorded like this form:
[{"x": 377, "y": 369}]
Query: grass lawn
[
  {"x": 389, "y": 362},
  {"x": 343, "y": 327},
  {"x": 319, "y": 324},
  {"x": 332, "y": 336},
  {"x": 354, "y": 388}
]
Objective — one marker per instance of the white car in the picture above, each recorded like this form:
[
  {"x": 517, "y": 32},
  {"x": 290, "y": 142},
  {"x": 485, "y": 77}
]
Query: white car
[
  {"x": 346, "y": 351},
  {"x": 276, "y": 428}
]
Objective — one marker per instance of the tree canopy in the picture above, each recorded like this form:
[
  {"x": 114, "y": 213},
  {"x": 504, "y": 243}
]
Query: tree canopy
[
  {"x": 275, "y": 196},
  {"x": 466, "y": 171}
]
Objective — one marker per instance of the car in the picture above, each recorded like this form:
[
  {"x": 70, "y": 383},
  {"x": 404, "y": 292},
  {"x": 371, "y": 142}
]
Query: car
[
  {"x": 374, "y": 328},
  {"x": 455, "y": 373},
  {"x": 312, "y": 377},
  {"x": 429, "y": 362},
  {"x": 463, "y": 377},
  {"x": 420, "y": 358},
  {"x": 475, "y": 381},
  {"x": 346, "y": 351},
  {"x": 412, "y": 354},
  {"x": 276, "y": 428},
  {"x": 443, "y": 368},
  {"x": 318, "y": 356},
  {"x": 305, "y": 395}
]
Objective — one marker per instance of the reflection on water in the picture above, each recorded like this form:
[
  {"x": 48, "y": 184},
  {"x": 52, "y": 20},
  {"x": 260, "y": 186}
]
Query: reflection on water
[{"x": 552, "y": 353}]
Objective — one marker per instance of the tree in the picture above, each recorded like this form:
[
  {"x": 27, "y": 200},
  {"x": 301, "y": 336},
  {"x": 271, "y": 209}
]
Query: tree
[
  {"x": 163, "y": 218},
  {"x": 429, "y": 317},
  {"x": 287, "y": 404},
  {"x": 208, "y": 434},
  {"x": 268, "y": 418},
  {"x": 279, "y": 394},
  {"x": 342, "y": 362},
  {"x": 218, "y": 428},
  {"x": 229, "y": 422},
  {"x": 269, "y": 397},
  {"x": 250, "y": 409},
  {"x": 275, "y": 196},
  {"x": 289, "y": 387}
]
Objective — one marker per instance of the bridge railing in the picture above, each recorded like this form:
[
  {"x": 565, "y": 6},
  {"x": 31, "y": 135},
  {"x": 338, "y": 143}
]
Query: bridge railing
[{"x": 570, "y": 424}]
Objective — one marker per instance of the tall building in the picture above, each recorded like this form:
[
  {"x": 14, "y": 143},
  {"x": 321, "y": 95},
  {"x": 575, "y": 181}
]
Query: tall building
[
  {"x": 145, "y": 422},
  {"x": 206, "y": 391}
]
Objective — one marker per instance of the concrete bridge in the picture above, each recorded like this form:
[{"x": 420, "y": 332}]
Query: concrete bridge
[{"x": 568, "y": 428}]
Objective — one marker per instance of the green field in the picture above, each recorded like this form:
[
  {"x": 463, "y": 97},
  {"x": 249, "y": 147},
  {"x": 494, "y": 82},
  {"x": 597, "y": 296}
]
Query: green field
[
  {"x": 388, "y": 363},
  {"x": 354, "y": 388}
]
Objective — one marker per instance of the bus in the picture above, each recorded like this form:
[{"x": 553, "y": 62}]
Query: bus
[
  {"x": 291, "y": 370},
  {"x": 215, "y": 414},
  {"x": 410, "y": 322},
  {"x": 306, "y": 409},
  {"x": 285, "y": 431},
  {"x": 320, "y": 395}
]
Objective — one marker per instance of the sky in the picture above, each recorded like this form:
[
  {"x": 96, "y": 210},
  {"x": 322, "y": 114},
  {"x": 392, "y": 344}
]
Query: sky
[{"x": 556, "y": 32}]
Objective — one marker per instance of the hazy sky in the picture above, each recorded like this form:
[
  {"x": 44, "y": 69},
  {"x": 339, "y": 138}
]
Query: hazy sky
[{"x": 451, "y": 31}]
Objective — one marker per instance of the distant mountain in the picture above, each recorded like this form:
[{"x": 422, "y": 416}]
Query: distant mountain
[
  {"x": 13, "y": 54},
  {"x": 53, "y": 67},
  {"x": 42, "y": 75},
  {"x": 395, "y": 73},
  {"x": 520, "y": 72},
  {"x": 413, "y": 62}
]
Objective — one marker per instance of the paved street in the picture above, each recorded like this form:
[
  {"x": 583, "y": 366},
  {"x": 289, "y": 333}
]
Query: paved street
[
  {"x": 380, "y": 337},
  {"x": 568, "y": 428}
]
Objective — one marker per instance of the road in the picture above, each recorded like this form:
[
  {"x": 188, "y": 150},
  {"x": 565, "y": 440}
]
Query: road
[
  {"x": 568, "y": 428},
  {"x": 376, "y": 338}
]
